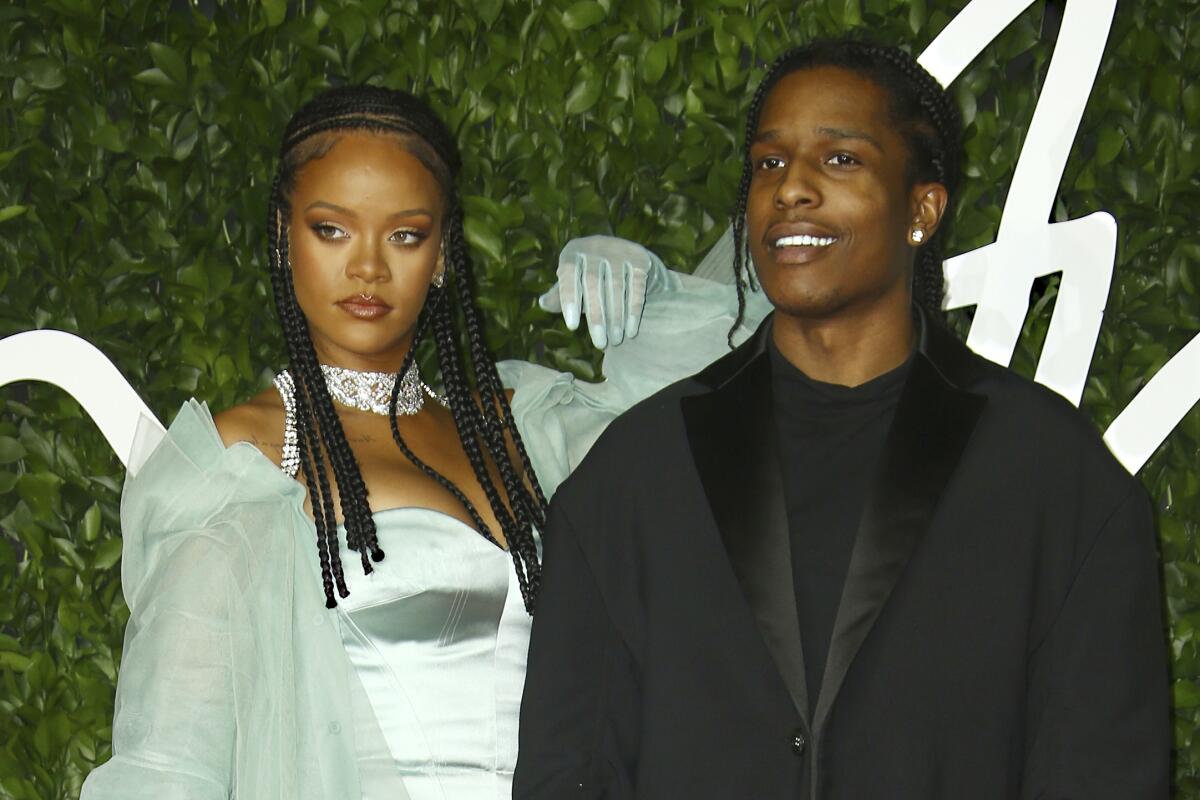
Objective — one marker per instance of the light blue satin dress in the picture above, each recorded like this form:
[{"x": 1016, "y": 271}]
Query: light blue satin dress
[{"x": 437, "y": 634}]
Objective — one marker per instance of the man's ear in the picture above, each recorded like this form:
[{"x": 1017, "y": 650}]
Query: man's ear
[{"x": 928, "y": 202}]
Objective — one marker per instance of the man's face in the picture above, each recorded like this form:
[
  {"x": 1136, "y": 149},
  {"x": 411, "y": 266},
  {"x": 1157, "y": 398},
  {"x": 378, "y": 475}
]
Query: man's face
[{"x": 830, "y": 212}]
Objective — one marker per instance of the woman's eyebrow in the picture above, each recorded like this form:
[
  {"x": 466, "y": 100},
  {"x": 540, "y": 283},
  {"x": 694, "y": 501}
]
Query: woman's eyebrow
[
  {"x": 330, "y": 207},
  {"x": 334, "y": 207}
]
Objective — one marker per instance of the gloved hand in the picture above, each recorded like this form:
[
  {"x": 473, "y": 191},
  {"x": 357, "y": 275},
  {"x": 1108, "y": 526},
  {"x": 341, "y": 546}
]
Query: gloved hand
[{"x": 608, "y": 279}]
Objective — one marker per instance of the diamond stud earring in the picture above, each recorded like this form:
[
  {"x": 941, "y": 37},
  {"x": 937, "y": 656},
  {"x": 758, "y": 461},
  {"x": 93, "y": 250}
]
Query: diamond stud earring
[{"x": 917, "y": 235}]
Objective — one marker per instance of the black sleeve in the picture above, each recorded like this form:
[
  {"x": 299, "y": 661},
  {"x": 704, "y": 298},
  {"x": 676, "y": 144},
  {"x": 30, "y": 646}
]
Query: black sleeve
[
  {"x": 1098, "y": 708},
  {"x": 579, "y": 706}
]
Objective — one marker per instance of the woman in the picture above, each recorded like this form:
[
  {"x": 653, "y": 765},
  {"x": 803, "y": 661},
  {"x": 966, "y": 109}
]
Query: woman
[{"x": 258, "y": 666}]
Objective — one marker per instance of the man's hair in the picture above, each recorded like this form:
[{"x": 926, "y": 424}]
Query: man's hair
[
  {"x": 477, "y": 401},
  {"x": 925, "y": 116}
]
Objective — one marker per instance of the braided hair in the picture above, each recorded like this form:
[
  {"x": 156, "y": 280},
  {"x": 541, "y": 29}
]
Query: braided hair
[
  {"x": 475, "y": 396},
  {"x": 925, "y": 116}
]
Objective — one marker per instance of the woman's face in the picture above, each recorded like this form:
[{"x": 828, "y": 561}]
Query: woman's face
[
  {"x": 830, "y": 210},
  {"x": 365, "y": 238}
]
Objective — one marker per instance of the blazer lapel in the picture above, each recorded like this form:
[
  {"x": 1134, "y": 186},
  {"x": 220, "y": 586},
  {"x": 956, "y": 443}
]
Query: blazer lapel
[
  {"x": 731, "y": 432},
  {"x": 934, "y": 419}
]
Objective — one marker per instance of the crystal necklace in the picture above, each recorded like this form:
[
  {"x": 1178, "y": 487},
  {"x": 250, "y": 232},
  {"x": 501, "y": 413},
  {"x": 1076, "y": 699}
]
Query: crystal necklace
[{"x": 372, "y": 391}]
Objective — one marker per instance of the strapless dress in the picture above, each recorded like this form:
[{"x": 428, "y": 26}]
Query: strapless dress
[{"x": 438, "y": 635}]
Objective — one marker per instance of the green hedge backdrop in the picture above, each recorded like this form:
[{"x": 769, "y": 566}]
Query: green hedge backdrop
[{"x": 137, "y": 139}]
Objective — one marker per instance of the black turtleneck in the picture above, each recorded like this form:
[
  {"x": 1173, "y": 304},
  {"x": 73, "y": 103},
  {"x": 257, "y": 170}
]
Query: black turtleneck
[{"x": 830, "y": 439}]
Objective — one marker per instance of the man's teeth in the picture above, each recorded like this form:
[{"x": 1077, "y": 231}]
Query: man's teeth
[{"x": 805, "y": 241}]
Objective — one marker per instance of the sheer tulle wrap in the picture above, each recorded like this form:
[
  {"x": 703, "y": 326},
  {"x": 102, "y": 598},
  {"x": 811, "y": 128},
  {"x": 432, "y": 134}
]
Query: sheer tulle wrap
[{"x": 234, "y": 680}]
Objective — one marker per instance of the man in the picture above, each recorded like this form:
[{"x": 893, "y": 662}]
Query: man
[{"x": 850, "y": 559}]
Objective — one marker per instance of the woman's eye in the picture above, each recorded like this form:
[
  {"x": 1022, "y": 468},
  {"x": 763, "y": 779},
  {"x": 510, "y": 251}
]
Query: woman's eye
[
  {"x": 328, "y": 231},
  {"x": 842, "y": 160},
  {"x": 408, "y": 236},
  {"x": 770, "y": 162}
]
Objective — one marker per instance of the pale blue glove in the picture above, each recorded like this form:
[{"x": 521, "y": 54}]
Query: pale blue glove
[{"x": 608, "y": 280}]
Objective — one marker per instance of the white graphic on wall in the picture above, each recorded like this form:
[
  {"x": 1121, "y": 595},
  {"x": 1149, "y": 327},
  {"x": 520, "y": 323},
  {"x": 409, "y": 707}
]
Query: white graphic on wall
[
  {"x": 82, "y": 371},
  {"x": 996, "y": 278}
]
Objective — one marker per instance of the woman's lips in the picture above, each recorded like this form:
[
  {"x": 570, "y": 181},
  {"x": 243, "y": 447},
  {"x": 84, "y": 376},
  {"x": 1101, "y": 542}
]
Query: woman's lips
[{"x": 364, "y": 307}]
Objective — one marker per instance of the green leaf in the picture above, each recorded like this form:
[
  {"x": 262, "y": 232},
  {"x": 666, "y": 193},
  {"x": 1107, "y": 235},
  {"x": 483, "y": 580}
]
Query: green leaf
[
  {"x": 10, "y": 450},
  {"x": 46, "y": 73},
  {"x": 1186, "y": 694},
  {"x": 1109, "y": 145},
  {"x": 918, "y": 13},
  {"x": 12, "y": 212},
  {"x": 276, "y": 11},
  {"x": 40, "y": 491},
  {"x": 586, "y": 91},
  {"x": 167, "y": 59},
  {"x": 583, "y": 14},
  {"x": 14, "y": 661},
  {"x": 482, "y": 235},
  {"x": 187, "y": 133},
  {"x": 654, "y": 61},
  {"x": 107, "y": 554},
  {"x": 154, "y": 76},
  {"x": 91, "y": 523},
  {"x": 109, "y": 137},
  {"x": 852, "y": 16},
  {"x": 1191, "y": 104},
  {"x": 1165, "y": 89},
  {"x": 7, "y": 156},
  {"x": 66, "y": 548}
]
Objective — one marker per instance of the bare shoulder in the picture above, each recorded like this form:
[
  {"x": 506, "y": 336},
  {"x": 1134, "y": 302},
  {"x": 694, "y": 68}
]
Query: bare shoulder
[{"x": 259, "y": 421}]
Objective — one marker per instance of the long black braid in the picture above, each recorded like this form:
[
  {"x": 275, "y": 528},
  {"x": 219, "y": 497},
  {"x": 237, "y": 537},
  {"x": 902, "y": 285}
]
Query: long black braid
[
  {"x": 476, "y": 398},
  {"x": 925, "y": 115}
]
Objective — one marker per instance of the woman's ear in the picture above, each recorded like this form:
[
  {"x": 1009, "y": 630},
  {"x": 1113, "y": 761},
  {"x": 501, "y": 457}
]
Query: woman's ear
[{"x": 439, "y": 270}]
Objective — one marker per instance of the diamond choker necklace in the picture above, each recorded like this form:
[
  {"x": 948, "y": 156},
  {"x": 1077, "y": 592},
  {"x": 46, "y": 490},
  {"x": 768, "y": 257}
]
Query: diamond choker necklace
[{"x": 372, "y": 391}]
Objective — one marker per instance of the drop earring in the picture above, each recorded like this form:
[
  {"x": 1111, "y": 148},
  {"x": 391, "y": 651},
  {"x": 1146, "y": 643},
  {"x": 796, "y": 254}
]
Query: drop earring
[{"x": 439, "y": 278}]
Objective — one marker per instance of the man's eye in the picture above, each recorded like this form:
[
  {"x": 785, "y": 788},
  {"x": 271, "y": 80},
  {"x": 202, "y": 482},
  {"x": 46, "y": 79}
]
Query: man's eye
[
  {"x": 842, "y": 160},
  {"x": 327, "y": 231},
  {"x": 770, "y": 162}
]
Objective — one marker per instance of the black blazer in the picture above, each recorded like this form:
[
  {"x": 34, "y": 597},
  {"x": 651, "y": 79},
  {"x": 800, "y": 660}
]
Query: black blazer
[{"x": 999, "y": 634}]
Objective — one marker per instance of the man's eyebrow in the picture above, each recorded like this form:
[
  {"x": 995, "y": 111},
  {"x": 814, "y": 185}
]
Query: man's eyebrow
[
  {"x": 834, "y": 133},
  {"x": 766, "y": 136},
  {"x": 850, "y": 133}
]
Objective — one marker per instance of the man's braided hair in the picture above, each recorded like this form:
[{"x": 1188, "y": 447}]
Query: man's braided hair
[
  {"x": 926, "y": 117},
  {"x": 476, "y": 397}
]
